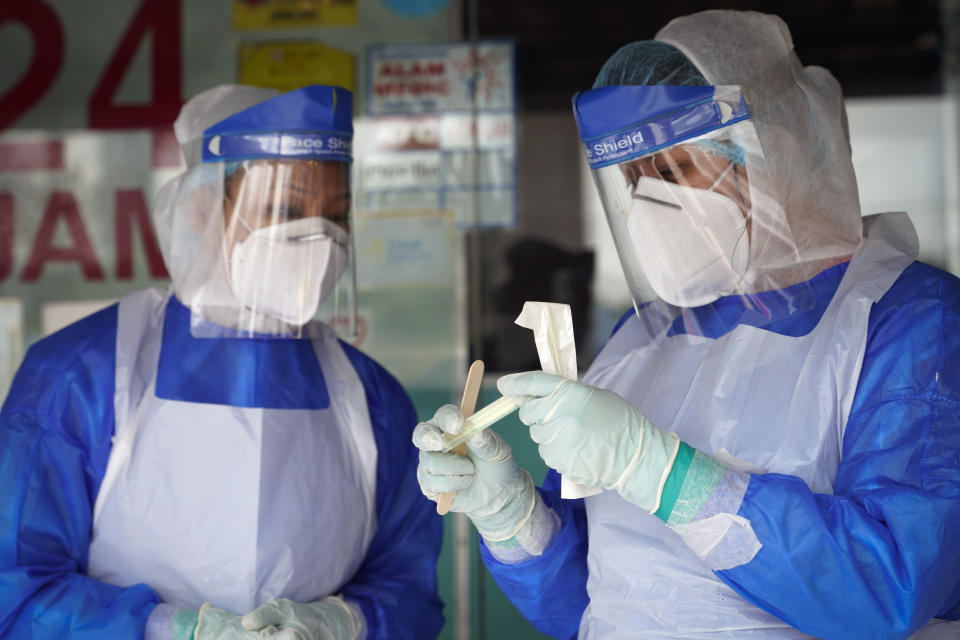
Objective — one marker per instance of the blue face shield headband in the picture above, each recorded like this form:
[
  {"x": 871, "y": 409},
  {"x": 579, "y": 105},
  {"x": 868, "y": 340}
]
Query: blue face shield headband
[
  {"x": 311, "y": 123},
  {"x": 620, "y": 123}
]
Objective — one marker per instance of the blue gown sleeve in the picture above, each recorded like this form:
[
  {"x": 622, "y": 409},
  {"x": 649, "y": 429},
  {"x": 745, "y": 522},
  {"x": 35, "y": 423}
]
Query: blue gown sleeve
[
  {"x": 550, "y": 590},
  {"x": 55, "y": 430},
  {"x": 396, "y": 586},
  {"x": 879, "y": 557}
]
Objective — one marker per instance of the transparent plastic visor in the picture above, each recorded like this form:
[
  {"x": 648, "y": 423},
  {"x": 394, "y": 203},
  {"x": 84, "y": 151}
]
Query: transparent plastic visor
[
  {"x": 701, "y": 236},
  {"x": 271, "y": 251}
]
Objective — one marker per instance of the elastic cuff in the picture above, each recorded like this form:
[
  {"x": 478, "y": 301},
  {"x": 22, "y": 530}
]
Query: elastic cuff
[
  {"x": 355, "y": 613},
  {"x": 674, "y": 480},
  {"x": 185, "y": 623},
  {"x": 532, "y": 539},
  {"x": 644, "y": 484},
  {"x": 666, "y": 471}
]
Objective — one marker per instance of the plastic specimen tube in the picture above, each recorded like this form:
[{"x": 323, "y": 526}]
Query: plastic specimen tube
[{"x": 489, "y": 415}]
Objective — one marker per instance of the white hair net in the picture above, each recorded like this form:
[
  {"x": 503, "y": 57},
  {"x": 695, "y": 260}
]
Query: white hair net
[
  {"x": 188, "y": 211},
  {"x": 648, "y": 62}
]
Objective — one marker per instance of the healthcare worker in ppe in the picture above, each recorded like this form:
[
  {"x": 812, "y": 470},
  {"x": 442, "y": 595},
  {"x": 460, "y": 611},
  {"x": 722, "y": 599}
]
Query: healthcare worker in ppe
[
  {"x": 775, "y": 427},
  {"x": 211, "y": 461}
]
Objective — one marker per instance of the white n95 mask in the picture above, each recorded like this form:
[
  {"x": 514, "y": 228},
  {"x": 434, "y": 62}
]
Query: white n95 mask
[
  {"x": 691, "y": 243},
  {"x": 285, "y": 270}
]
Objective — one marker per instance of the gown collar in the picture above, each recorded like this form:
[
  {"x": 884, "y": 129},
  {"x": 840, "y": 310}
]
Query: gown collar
[{"x": 266, "y": 373}]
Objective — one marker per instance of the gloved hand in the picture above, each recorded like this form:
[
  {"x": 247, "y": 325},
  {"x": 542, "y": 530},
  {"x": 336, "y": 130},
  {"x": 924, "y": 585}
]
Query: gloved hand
[
  {"x": 217, "y": 624},
  {"x": 327, "y": 619},
  {"x": 593, "y": 436},
  {"x": 492, "y": 490}
]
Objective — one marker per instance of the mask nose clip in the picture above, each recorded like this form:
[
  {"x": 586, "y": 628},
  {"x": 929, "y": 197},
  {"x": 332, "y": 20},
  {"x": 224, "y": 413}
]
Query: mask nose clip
[
  {"x": 640, "y": 196},
  {"x": 317, "y": 235},
  {"x": 306, "y": 237}
]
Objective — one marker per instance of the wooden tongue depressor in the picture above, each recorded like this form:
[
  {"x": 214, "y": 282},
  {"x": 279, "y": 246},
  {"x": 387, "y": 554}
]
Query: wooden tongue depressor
[{"x": 467, "y": 404}]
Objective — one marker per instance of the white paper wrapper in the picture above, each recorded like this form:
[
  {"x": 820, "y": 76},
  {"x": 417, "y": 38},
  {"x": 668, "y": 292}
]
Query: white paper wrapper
[{"x": 552, "y": 326}]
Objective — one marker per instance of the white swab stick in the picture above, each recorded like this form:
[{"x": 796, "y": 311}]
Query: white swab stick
[{"x": 482, "y": 419}]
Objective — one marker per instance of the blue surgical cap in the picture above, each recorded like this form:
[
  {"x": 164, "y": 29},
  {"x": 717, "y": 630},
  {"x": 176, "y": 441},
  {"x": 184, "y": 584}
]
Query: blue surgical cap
[
  {"x": 229, "y": 168},
  {"x": 722, "y": 148},
  {"x": 649, "y": 62}
]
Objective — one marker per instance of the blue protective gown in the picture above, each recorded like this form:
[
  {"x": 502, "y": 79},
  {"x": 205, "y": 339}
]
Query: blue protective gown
[
  {"x": 55, "y": 438},
  {"x": 877, "y": 557}
]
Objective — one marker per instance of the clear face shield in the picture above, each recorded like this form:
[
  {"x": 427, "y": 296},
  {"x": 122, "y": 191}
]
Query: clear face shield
[
  {"x": 702, "y": 238},
  {"x": 264, "y": 248},
  {"x": 256, "y": 233},
  {"x": 287, "y": 247}
]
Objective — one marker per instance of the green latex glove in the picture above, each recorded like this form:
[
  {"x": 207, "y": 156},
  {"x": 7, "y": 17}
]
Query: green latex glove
[
  {"x": 495, "y": 493},
  {"x": 183, "y": 623},
  {"x": 593, "y": 436},
  {"x": 327, "y": 619},
  {"x": 217, "y": 624}
]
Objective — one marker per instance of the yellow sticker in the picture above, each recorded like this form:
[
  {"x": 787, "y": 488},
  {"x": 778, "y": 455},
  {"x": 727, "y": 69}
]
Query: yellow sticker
[
  {"x": 279, "y": 14},
  {"x": 286, "y": 66}
]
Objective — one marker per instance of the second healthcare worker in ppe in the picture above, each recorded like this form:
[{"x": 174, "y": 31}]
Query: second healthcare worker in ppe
[
  {"x": 775, "y": 427},
  {"x": 211, "y": 461}
]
